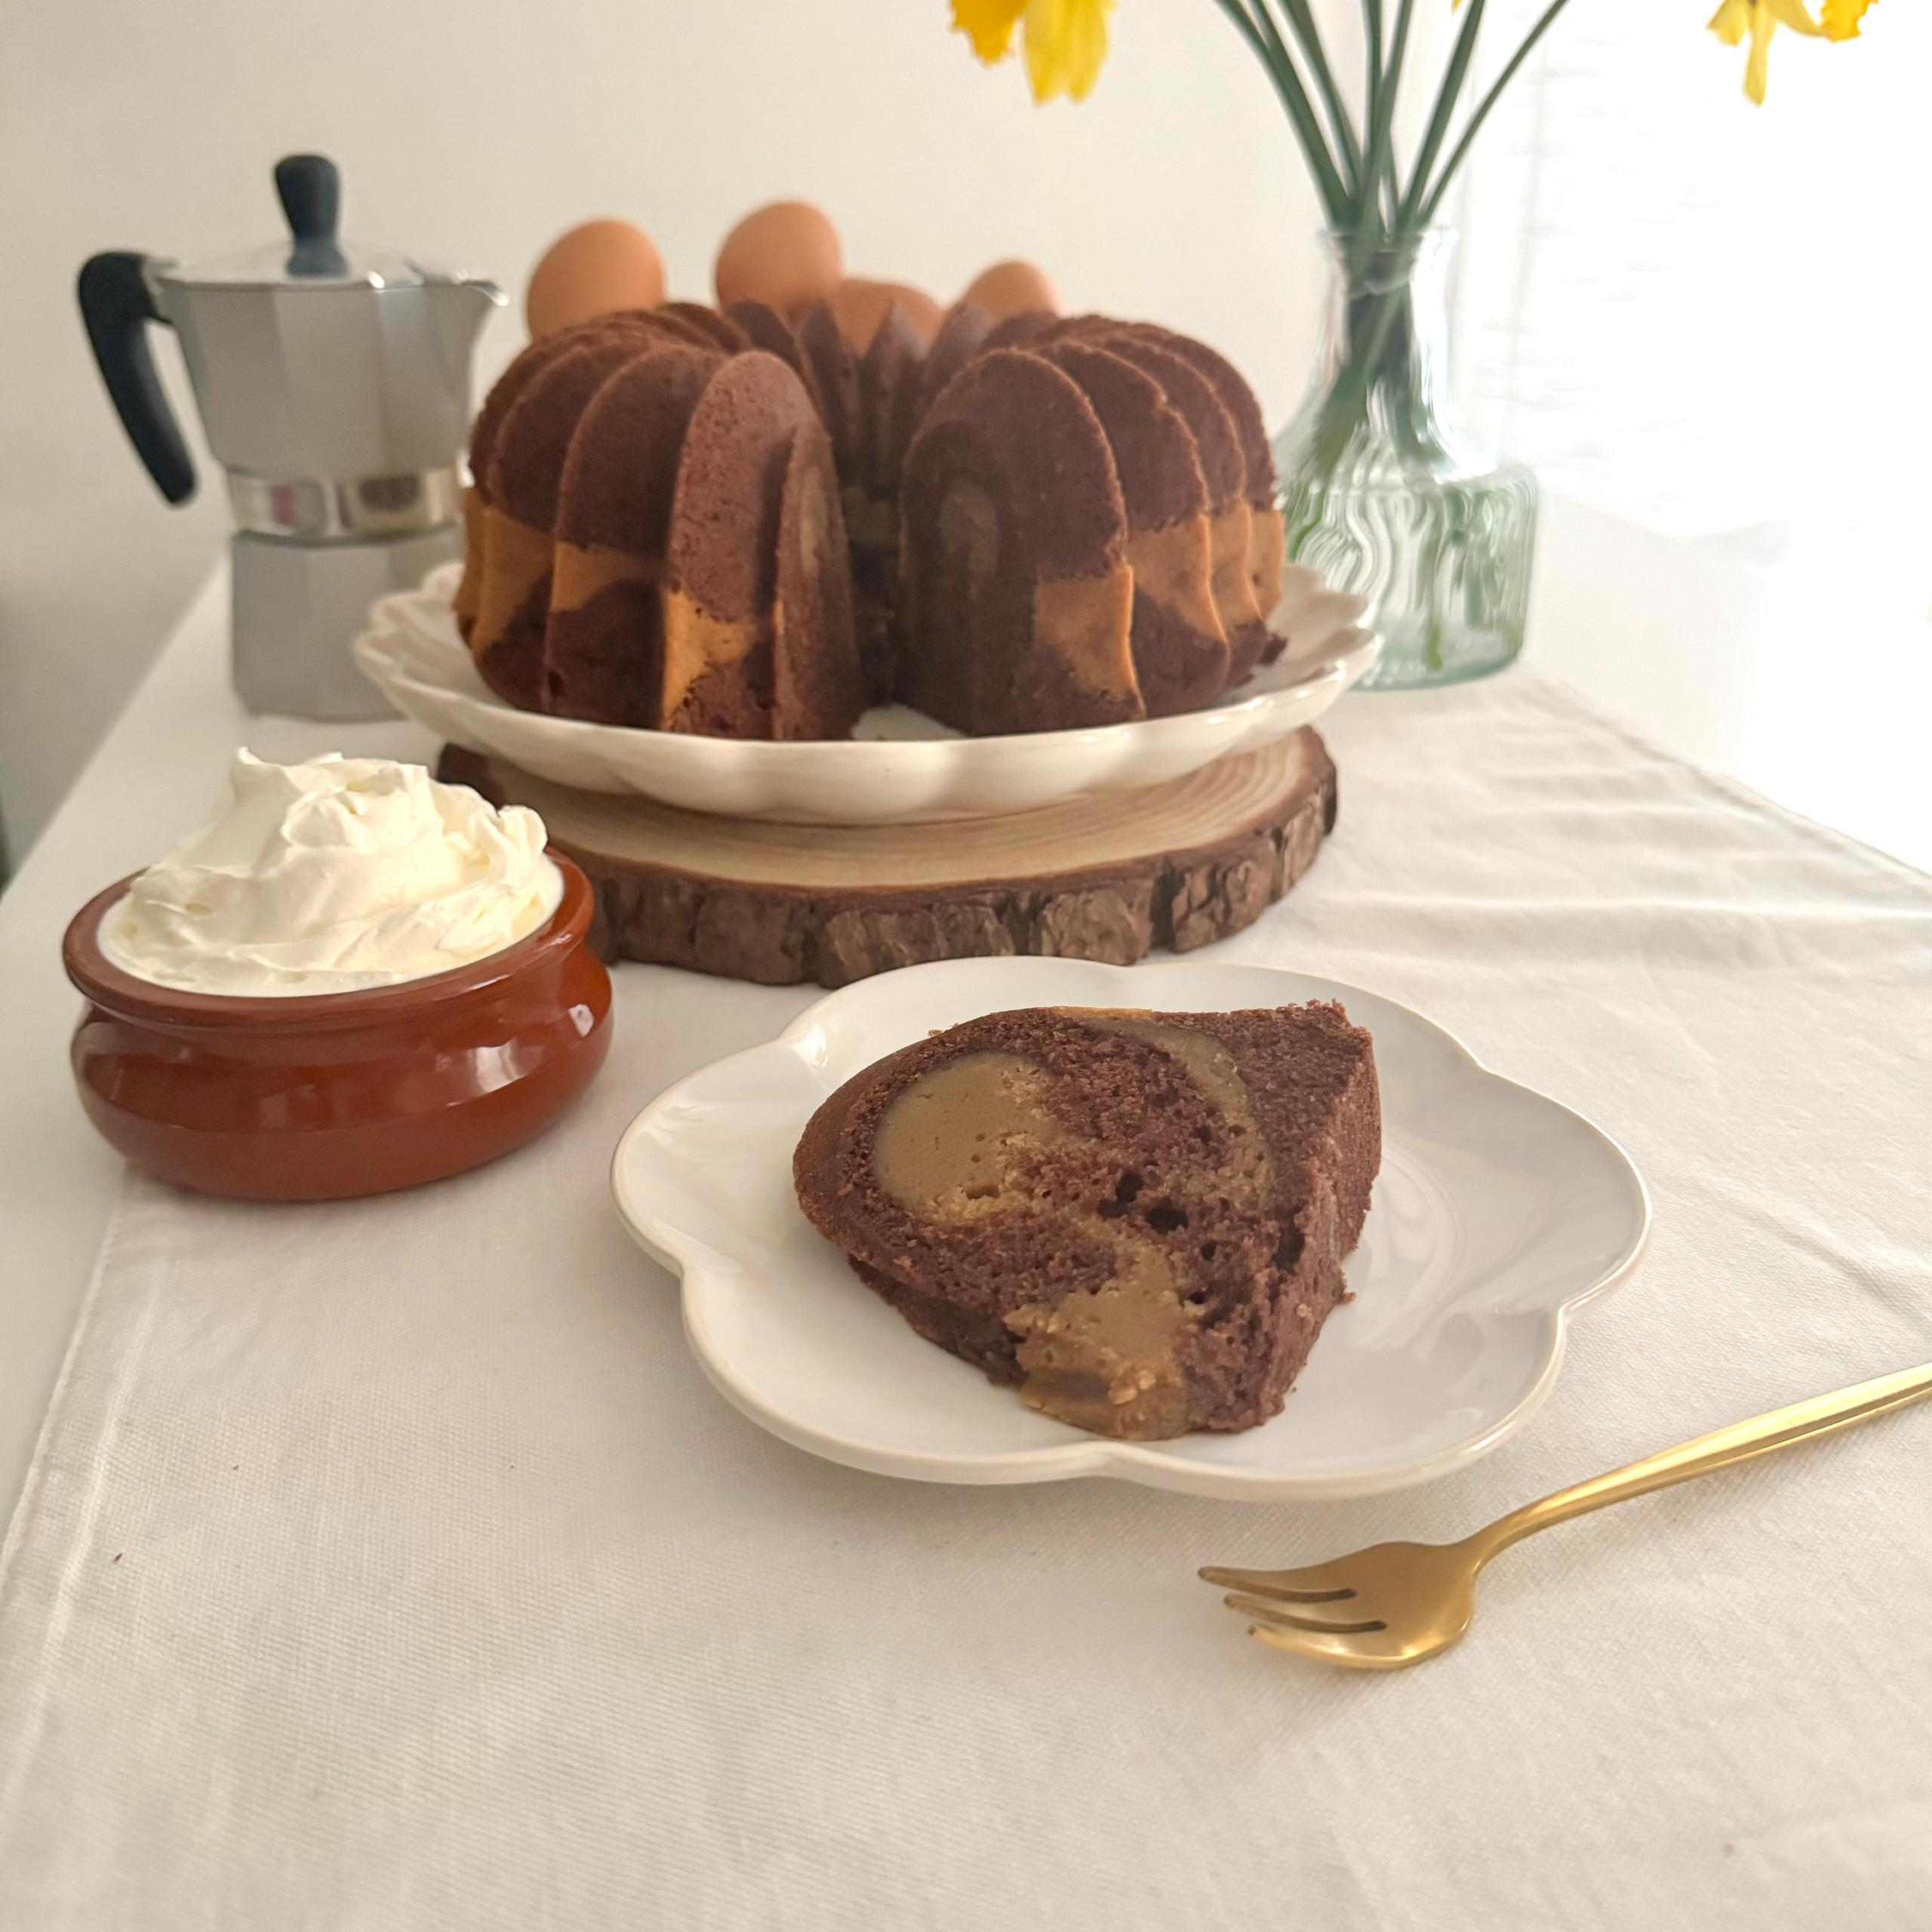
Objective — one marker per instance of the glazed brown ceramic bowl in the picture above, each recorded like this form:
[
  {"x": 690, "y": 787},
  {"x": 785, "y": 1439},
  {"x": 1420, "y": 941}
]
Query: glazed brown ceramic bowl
[{"x": 318, "y": 1097}]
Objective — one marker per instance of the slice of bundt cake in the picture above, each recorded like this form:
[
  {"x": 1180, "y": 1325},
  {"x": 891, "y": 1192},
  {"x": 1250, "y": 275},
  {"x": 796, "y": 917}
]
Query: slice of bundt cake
[
  {"x": 753, "y": 440},
  {"x": 818, "y": 686},
  {"x": 660, "y": 323},
  {"x": 585, "y": 507},
  {"x": 1017, "y": 597},
  {"x": 508, "y": 388},
  {"x": 765, "y": 329},
  {"x": 1217, "y": 443},
  {"x": 706, "y": 324},
  {"x": 1267, "y": 542},
  {"x": 603, "y": 646},
  {"x": 835, "y": 383},
  {"x": 524, "y": 474},
  {"x": 888, "y": 383},
  {"x": 1024, "y": 327},
  {"x": 1180, "y": 652},
  {"x": 962, "y": 336},
  {"x": 1138, "y": 1218},
  {"x": 889, "y": 373}
]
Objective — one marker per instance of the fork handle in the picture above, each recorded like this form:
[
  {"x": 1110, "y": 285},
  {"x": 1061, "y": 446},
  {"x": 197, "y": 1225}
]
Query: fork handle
[{"x": 1819, "y": 1416}]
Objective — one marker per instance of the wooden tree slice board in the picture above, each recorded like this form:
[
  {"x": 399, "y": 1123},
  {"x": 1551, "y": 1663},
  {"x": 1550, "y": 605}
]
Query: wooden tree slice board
[{"x": 1104, "y": 877}]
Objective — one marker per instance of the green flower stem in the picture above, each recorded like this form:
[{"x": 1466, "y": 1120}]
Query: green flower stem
[
  {"x": 1382, "y": 140},
  {"x": 1368, "y": 186},
  {"x": 1371, "y": 22},
  {"x": 1381, "y": 331},
  {"x": 1353, "y": 175},
  {"x": 1481, "y": 114},
  {"x": 1372, "y": 391},
  {"x": 1386, "y": 78},
  {"x": 1328, "y": 182},
  {"x": 1281, "y": 61},
  {"x": 1407, "y": 221},
  {"x": 1301, "y": 22}
]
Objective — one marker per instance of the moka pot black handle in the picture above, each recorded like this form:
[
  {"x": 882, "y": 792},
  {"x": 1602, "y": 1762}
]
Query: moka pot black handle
[{"x": 117, "y": 305}]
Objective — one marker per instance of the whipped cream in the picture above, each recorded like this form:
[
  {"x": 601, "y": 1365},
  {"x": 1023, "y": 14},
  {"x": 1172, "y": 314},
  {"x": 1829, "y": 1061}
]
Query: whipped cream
[{"x": 331, "y": 877}]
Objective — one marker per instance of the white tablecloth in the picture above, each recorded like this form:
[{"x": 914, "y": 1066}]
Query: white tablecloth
[{"x": 390, "y": 1564}]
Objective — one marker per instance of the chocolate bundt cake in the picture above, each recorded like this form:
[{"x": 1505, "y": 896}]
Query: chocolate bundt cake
[
  {"x": 1138, "y": 1219},
  {"x": 1052, "y": 523}
]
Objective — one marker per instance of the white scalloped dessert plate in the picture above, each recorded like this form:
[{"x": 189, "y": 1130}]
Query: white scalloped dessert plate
[
  {"x": 899, "y": 767},
  {"x": 1498, "y": 1214}
]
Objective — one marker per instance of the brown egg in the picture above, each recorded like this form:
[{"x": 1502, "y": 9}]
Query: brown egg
[
  {"x": 861, "y": 306},
  {"x": 590, "y": 271},
  {"x": 785, "y": 253},
  {"x": 1008, "y": 287}
]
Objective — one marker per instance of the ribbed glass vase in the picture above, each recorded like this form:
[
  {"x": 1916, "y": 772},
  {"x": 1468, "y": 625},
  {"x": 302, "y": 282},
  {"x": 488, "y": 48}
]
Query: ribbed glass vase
[{"x": 1386, "y": 494}]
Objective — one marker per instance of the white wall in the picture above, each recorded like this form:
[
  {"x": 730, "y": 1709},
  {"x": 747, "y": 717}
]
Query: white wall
[
  {"x": 1698, "y": 313},
  {"x": 473, "y": 133}
]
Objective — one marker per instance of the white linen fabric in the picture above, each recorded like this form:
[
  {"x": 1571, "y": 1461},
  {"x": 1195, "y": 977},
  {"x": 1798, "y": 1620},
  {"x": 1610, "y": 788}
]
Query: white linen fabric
[{"x": 390, "y": 1564}]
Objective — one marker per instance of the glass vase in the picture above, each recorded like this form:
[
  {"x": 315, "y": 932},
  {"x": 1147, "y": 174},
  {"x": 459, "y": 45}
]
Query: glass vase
[{"x": 1385, "y": 493}]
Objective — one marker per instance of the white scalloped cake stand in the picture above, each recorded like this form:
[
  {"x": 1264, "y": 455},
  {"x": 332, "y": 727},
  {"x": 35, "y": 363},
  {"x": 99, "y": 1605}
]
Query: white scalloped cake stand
[{"x": 900, "y": 767}]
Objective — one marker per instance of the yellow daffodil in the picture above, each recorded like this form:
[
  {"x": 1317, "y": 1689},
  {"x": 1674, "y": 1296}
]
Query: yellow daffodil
[
  {"x": 1066, "y": 40},
  {"x": 1760, "y": 19},
  {"x": 1841, "y": 18},
  {"x": 989, "y": 25}
]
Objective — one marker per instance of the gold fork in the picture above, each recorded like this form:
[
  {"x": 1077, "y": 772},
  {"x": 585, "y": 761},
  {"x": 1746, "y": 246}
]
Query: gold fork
[{"x": 1397, "y": 1603}]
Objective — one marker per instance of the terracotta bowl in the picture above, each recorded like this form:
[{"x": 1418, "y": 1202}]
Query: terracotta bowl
[{"x": 319, "y": 1097}]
